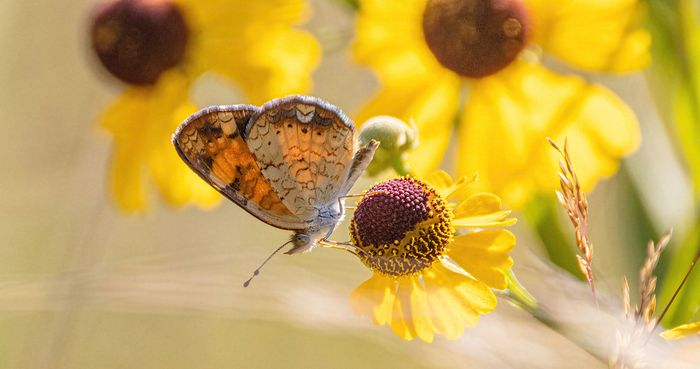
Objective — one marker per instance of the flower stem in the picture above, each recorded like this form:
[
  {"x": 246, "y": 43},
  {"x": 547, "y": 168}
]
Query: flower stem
[
  {"x": 685, "y": 307},
  {"x": 678, "y": 289},
  {"x": 519, "y": 292},
  {"x": 401, "y": 166}
]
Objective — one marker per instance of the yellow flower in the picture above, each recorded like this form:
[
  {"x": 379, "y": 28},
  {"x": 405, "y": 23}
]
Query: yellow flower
[
  {"x": 682, "y": 331},
  {"x": 253, "y": 44},
  {"x": 425, "y": 52},
  {"x": 434, "y": 264}
]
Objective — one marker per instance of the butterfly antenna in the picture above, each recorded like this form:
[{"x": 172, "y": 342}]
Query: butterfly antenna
[{"x": 257, "y": 271}]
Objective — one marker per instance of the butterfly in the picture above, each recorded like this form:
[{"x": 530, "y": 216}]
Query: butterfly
[{"x": 289, "y": 162}]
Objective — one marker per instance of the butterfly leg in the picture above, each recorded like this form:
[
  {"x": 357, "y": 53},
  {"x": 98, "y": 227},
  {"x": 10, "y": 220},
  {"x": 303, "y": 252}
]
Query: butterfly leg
[
  {"x": 347, "y": 246},
  {"x": 341, "y": 203}
]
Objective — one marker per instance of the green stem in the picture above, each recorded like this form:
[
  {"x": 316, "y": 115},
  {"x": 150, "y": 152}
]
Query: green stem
[
  {"x": 686, "y": 305},
  {"x": 524, "y": 298},
  {"x": 401, "y": 166}
]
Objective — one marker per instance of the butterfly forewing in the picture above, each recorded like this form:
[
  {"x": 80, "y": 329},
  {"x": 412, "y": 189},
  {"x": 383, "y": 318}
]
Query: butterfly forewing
[
  {"x": 304, "y": 147},
  {"x": 211, "y": 143}
]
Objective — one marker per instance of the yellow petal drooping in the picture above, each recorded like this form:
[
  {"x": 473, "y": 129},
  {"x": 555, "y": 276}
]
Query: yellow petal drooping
[
  {"x": 682, "y": 331},
  {"x": 420, "y": 311},
  {"x": 508, "y": 117},
  {"x": 595, "y": 35},
  {"x": 484, "y": 255},
  {"x": 375, "y": 298},
  {"x": 471, "y": 296},
  {"x": 401, "y": 318}
]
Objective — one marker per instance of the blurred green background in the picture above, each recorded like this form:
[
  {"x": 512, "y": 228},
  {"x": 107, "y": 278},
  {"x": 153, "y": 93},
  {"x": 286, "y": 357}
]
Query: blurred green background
[{"x": 82, "y": 286}]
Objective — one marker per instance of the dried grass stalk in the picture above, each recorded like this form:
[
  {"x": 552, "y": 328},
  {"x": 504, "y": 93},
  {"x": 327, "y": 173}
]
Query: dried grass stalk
[
  {"x": 574, "y": 202},
  {"x": 626, "y": 297},
  {"x": 625, "y": 356},
  {"x": 647, "y": 288}
]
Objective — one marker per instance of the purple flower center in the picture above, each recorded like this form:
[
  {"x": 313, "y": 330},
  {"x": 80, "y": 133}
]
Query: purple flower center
[
  {"x": 390, "y": 209},
  {"x": 401, "y": 227}
]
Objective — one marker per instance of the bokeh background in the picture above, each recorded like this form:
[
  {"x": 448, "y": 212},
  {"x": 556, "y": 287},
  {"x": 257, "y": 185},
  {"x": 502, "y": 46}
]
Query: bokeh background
[{"x": 83, "y": 286}]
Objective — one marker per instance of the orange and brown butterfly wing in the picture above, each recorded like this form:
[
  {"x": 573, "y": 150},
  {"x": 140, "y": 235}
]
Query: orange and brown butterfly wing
[
  {"x": 305, "y": 148},
  {"x": 210, "y": 142}
]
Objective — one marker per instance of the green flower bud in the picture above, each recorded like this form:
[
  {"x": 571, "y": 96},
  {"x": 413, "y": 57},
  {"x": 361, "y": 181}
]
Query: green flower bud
[{"x": 396, "y": 140}]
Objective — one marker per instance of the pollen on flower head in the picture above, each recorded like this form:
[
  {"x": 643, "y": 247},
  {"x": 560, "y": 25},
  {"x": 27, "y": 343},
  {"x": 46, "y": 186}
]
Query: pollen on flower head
[
  {"x": 137, "y": 40},
  {"x": 475, "y": 38},
  {"x": 401, "y": 227}
]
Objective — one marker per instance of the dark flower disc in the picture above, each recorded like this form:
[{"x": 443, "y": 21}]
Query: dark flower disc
[{"x": 136, "y": 40}]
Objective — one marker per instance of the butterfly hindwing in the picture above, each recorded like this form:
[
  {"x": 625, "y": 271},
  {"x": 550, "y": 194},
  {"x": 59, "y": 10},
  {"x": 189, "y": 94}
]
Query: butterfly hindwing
[
  {"x": 212, "y": 144},
  {"x": 304, "y": 148}
]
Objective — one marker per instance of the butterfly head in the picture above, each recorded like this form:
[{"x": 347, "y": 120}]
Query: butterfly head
[{"x": 302, "y": 242}]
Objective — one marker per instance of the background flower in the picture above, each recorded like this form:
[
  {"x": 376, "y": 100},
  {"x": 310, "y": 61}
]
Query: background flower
[
  {"x": 252, "y": 44},
  {"x": 505, "y": 117}
]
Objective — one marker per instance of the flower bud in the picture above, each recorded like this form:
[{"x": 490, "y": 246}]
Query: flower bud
[
  {"x": 396, "y": 140},
  {"x": 136, "y": 40},
  {"x": 475, "y": 38}
]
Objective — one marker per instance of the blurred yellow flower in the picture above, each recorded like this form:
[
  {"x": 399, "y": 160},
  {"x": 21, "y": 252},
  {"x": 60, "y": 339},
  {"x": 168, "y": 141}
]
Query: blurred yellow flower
[
  {"x": 253, "y": 44},
  {"x": 682, "y": 331},
  {"x": 425, "y": 52},
  {"x": 426, "y": 280}
]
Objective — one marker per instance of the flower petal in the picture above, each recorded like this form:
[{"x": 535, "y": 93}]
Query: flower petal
[
  {"x": 263, "y": 54},
  {"x": 215, "y": 17},
  {"x": 177, "y": 183},
  {"x": 440, "y": 180},
  {"x": 431, "y": 102},
  {"x": 599, "y": 35},
  {"x": 484, "y": 255},
  {"x": 478, "y": 204},
  {"x": 414, "y": 85},
  {"x": 401, "y": 320},
  {"x": 463, "y": 297},
  {"x": 446, "y": 312},
  {"x": 375, "y": 298},
  {"x": 508, "y": 117},
  {"x": 420, "y": 311},
  {"x": 390, "y": 40},
  {"x": 497, "y": 219},
  {"x": 682, "y": 331},
  {"x": 141, "y": 123}
]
